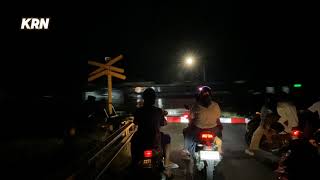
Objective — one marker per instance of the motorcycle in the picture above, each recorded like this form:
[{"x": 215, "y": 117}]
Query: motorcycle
[
  {"x": 150, "y": 163},
  {"x": 301, "y": 159},
  {"x": 303, "y": 153},
  {"x": 275, "y": 142},
  {"x": 206, "y": 156}
]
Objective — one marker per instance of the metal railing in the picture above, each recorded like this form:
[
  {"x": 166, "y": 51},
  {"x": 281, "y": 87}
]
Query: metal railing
[
  {"x": 116, "y": 142},
  {"x": 100, "y": 160}
]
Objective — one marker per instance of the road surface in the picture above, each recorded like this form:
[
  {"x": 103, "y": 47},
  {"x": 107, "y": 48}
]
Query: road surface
[{"x": 236, "y": 165}]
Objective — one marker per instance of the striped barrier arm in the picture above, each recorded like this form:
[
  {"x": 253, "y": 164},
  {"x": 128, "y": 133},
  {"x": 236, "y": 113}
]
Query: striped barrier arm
[{"x": 232, "y": 120}]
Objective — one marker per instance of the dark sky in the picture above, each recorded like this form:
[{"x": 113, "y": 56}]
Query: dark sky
[{"x": 237, "y": 40}]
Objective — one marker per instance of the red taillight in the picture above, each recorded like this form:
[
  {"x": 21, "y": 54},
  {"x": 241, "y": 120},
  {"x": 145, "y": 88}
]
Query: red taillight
[
  {"x": 295, "y": 133},
  {"x": 206, "y": 136},
  {"x": 147, "y": 153}
]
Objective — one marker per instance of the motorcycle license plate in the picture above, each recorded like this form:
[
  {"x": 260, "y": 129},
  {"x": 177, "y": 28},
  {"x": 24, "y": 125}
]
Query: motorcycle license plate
[
  {"x": 209, "y": 155},
  {"x": 147, "y": 163}
]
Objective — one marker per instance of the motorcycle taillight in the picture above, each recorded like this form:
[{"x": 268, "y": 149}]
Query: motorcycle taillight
[
  {"x": 147, "y": 153},
  {"x": 296, "y": 133},
  {"x": 207, "y": 136}
]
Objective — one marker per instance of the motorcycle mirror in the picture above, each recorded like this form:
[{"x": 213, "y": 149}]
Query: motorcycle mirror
[{"x": 165, "y": 113}]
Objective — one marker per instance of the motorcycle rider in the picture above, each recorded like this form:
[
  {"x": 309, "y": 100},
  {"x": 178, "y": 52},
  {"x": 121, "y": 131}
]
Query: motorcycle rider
[
  {"x": 149, "y": 120},
  {"x": 315, "y": 107},
  {"x": 288, "y": 113},
  {"x": 266, "y": 117},
  {"x": 204, "y": 115}
]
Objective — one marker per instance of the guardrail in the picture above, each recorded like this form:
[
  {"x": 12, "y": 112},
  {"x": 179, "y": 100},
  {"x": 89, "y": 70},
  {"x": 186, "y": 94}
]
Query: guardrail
[
  {"x": 99, "y": 161},
  {"x": 117, "y": 141}
]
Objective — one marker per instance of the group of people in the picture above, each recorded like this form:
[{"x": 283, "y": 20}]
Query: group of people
[
  {"x": 277, "y": 108},
  {"x": 204, "y": 114}
]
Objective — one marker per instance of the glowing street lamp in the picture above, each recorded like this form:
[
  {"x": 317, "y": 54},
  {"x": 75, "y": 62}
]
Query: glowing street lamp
[{"x": 189, "y": 61}]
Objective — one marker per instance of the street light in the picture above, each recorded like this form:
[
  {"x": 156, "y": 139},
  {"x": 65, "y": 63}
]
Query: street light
[{"x": 189, "y": 61}]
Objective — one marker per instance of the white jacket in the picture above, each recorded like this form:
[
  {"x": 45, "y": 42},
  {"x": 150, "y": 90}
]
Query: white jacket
[
  {"x": 315, "y": 107},
  {"x": 287, "y": 112}
]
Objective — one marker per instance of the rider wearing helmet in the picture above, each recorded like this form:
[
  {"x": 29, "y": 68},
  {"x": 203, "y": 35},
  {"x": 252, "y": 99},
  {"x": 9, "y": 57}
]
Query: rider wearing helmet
[
  {"x": 204, "y": 115},
  {"x": 149, "y": 120}
]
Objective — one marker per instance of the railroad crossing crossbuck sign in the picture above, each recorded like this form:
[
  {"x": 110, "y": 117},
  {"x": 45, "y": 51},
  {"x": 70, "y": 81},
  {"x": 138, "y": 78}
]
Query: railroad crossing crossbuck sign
[{"x": 109, "y": 71}]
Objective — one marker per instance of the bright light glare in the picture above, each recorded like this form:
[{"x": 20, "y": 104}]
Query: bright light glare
[{"x": 189, "y": 61}]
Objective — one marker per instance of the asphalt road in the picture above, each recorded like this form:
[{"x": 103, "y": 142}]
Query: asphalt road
[{"x": 236, "y": 165}]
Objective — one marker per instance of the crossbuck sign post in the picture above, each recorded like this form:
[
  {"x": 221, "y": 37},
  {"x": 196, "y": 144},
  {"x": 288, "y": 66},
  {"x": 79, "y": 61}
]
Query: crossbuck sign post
[{"x": 109, "y": 71}]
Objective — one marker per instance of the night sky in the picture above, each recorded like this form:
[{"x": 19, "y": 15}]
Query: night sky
[
  {"x": 237, "y": 40},
  {"x": 258, "y": 42}
]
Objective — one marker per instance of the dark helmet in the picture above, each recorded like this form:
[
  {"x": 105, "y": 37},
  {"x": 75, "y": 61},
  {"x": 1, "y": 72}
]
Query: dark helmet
[
  {"x": 149, "y": 96},
  {"x": 203, "y": 90}
]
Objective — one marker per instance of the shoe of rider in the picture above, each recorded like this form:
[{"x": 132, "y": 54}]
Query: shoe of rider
[
  {"x": 247, "y": 151},
  {"x": 171, "y": 165}
]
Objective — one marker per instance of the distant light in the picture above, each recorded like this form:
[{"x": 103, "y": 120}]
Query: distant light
[
  {"x": 138, "y": 89},
  {"x": 285, "y": 89},
  {"x": 256, "y": 93},
  {"x": 270, "y": 90},
  {"x": 240, "y": 82},
  {"x": 297, "y": 85}
]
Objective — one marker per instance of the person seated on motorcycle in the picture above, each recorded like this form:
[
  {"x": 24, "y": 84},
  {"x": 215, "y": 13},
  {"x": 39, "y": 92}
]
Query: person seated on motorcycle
[
  {"x": 268, "y": 108},
  {"x": 204, "y": 115},
  {"x": 315, "y": 107},
  {"x": 288, "y": 114},
  {"x": 149, "y": 119}
]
